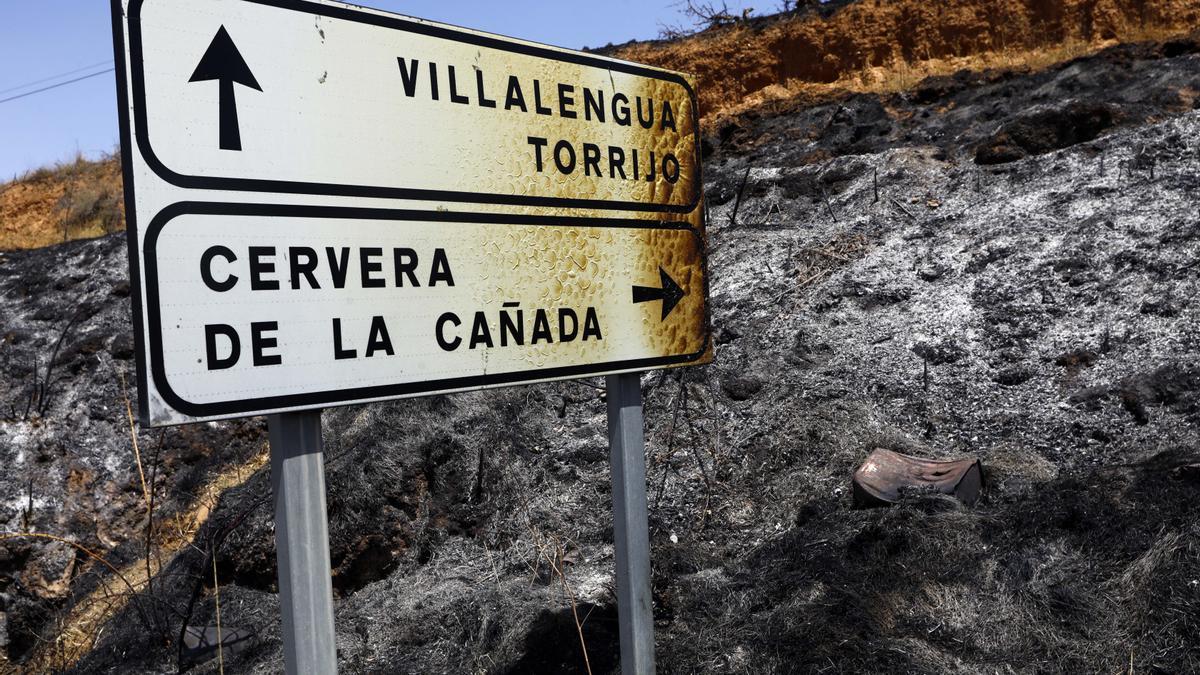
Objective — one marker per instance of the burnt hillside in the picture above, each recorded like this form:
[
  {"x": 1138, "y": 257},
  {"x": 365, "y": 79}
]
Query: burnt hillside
[{"x": 994, "y": 263}]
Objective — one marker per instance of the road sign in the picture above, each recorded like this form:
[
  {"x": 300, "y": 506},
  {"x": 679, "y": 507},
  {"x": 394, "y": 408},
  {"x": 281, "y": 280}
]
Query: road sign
[
  {"x": 301, "y": 97},
  {"x": 328, "y": 204},
  {"x": 257, "y": 307},
  {"x": 333, "y": 205}
]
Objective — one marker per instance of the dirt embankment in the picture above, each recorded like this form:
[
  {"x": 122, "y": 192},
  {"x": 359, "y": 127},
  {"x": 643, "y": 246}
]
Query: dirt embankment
[
  {"x": 76, "y": 200},
  {"x": 890, "y": 45}
]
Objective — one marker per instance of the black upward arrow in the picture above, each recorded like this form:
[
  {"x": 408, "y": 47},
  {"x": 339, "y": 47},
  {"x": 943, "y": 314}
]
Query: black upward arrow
[
  {"x": 224, "y": 63},
  {"x": 670, "y": 293}
]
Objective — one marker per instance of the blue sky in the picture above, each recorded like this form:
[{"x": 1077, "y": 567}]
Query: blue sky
[{"x": 43, "y": 38}]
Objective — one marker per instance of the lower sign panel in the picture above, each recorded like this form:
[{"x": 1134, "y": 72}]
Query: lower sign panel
[{"x": 262, "y": 308}]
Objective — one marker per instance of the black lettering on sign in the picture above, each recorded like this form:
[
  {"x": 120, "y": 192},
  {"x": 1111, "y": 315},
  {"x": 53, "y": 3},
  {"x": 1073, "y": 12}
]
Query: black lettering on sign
[
  {"x": 566, "y": 95},
  {"x": 670, "y": 168},
  {"x": 514, "y": 97},
  {"x": 566, "y": 159},
  {"x": 616, "y": 161},
  {"x": 591, "y": 325},
  {"x": 206, "y": 274},
  {"x": 378, "y": 339},
  {"x": 406, "y": 266},
  {"x": 259, "y": 343},
  {"x": 367, "y": 261},
  {"x": 480, "y": 333},
  {"x": 668, "y": 117},
  {"x": 303, "y": 262},
  {"x": 306, "y": 268},
  {"x": 648, "y": 120},
  {"x": 338, "y": 266},
  {"x": 339, "y": 352},
  {"x": 513, "y": 329},
  {"x": 621, "y": 111},
  {"x": 564, "y": 335},
  {"x": 591, "y": 159},
  {"x": 446, "y": 344},
  {"x": 483, "y": 100},
  {"x": 537, "y": 99},
  {"x": 593, "y": 104},
  {"x": 454, "y": 95},
  {"x": 538, "y": 144},
  {"x": 441, "y": 269},
  {"x": 564, "y": 167},
  {"x": 566, "y": 101},
  {"x": 409, "y": 76},
  {"x": 541, "y": 328},
  {"x": 211, "y": 332},
  {"x": 259, "y": 267},
  {"x": 509, "y": 327}
]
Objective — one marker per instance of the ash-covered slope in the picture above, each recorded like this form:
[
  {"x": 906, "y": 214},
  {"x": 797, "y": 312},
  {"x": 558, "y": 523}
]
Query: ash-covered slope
[
  {"x": 70, "y": 465},
  {"x": 888, "y": 291}
]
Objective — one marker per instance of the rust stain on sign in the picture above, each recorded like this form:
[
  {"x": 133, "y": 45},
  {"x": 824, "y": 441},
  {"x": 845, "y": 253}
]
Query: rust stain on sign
[
  {"x": 464, "y": 211},
  {"x": 408, "y": 109}
]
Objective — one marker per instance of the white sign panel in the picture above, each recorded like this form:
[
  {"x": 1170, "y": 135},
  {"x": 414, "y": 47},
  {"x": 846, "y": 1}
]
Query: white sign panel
[
  {"x": 319, "y": 98},
  {"x": 333, "y": 205}
]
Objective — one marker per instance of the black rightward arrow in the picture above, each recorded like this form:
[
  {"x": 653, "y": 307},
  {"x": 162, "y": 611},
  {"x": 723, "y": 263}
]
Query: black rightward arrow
[
  {"x": 670, "y": 293},
  {"x": 224, "y": 63}
]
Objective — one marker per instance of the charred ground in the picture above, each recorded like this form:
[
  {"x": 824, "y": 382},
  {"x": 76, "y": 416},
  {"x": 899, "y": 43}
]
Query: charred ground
[{"x": 998, "y": 264}]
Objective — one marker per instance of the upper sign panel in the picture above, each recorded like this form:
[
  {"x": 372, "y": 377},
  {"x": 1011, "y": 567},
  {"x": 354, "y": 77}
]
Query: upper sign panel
[{"x": 322, "y": 99}]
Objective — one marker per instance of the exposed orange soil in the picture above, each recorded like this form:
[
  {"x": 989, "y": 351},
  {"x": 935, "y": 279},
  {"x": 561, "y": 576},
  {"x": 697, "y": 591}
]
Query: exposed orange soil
[
  {"x": 890, "y": 45},
  {"x": 33, "y": 210}
]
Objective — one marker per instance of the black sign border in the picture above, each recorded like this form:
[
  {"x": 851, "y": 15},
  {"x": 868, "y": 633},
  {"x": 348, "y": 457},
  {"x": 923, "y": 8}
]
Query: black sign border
[
  {"x": 256, "y": 406},
  {"x": 396, "y": 22},
  {"x": 131, "y": 223}
]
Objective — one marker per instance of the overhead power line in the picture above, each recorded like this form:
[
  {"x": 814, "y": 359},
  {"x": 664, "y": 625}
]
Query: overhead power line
[
  {"x": 55, "y": 77},
  {"x": 56, "y": 86}
]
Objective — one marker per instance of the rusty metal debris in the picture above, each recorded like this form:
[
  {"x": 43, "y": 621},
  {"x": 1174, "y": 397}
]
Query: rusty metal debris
[{"x": 880, "y": 479}]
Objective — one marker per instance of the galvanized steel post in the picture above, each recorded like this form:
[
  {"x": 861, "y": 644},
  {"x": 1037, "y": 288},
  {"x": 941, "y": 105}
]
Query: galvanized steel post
[
  {"x": 302, "y": 543},
  {"x": 631, "y": 532}
]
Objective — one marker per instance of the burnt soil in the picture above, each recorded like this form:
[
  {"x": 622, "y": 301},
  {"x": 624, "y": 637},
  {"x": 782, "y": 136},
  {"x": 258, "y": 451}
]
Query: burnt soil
[{"x": 994, "y": 265}]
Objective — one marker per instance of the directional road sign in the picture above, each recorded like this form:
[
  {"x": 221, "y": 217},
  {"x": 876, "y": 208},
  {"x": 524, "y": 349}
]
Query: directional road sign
[
  {"x": 329, "y": 204},
  {"x": 319, "y": 98}
]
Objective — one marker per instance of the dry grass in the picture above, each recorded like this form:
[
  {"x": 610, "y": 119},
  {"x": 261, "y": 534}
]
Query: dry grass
[
  {"x": 78, "y": 199},
  {"x": 817, "y": 261},
  {"x": 885, "y": 47},
  {"x": 80, "y": 627}
]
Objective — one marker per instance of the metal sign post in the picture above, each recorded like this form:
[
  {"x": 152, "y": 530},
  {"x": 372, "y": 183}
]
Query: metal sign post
[
  {"x": 302, "y": 543},
  {"x": 631, "y": 535}
]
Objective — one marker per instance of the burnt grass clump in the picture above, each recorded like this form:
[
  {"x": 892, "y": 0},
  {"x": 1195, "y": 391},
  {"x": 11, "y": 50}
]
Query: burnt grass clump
[
  {"x": 876, "y": 287},
  {"x": 1032, "y": 582}
]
